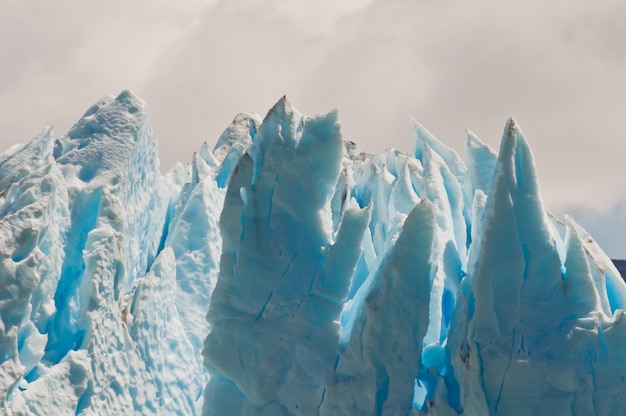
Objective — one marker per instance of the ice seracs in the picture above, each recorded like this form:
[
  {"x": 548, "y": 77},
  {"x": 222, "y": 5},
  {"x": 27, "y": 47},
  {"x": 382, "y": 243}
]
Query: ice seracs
[
  {"x": 286, "y": 272},
  {"x": 282, "y": 279},
  {"x": 531, "y": 335}
]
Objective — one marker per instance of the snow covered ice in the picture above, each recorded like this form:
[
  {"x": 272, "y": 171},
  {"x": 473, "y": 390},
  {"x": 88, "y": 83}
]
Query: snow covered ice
[{"x": 286, "y": 272}]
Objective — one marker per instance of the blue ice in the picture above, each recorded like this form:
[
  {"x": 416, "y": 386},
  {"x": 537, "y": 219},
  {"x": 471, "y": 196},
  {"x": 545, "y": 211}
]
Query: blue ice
[{"x": 284, "y": 271}]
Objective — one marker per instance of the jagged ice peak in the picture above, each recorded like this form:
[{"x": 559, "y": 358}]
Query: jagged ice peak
[{"x": 286, "y": 272}]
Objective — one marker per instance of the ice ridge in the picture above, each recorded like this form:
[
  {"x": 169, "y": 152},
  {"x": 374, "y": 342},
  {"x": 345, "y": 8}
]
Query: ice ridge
[{"x": 286, "y": 272}]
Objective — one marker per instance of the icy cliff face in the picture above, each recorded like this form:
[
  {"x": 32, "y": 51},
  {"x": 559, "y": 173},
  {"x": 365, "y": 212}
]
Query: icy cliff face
[{"x": 285, "y": 272}]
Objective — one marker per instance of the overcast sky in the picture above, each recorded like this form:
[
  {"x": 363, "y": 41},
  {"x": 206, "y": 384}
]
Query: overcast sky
[{"x": 558, "y": 67}]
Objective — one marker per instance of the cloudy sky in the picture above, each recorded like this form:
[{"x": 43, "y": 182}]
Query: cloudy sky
[{"x": 558, "y": 67}]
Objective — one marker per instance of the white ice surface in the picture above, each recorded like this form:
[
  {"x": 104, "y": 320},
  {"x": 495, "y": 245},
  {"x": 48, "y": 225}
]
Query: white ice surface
[{"x": 287, "y": 273}]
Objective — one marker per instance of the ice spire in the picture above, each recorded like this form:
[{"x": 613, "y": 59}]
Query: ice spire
[{"x": 282, "y": 282}]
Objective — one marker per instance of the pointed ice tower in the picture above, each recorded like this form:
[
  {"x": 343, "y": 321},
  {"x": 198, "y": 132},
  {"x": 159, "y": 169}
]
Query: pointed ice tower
[
  {"x": 529, "y": 334},
  {"x": 375, "y": 371},
  {"x": 274, "y": 312}
]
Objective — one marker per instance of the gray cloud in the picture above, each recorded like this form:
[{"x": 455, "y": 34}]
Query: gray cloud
[
  {"x": 557, "y": 67},
  {"x": 60, "y": 57}
]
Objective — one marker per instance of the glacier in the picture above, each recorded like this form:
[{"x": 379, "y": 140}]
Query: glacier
[{"x": 284, "y": 271}]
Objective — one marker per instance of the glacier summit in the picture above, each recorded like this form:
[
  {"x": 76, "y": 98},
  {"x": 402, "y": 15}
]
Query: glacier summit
[{"x": 286, "y": 272}]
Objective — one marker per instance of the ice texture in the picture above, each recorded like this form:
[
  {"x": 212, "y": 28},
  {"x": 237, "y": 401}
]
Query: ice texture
[{"x": 287, "y": 272}]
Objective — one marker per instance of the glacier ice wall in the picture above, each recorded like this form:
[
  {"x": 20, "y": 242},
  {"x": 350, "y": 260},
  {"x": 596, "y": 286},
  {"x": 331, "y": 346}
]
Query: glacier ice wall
[{"x": 286, "y": 272}]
